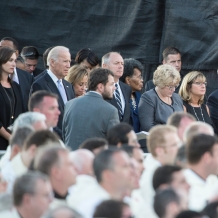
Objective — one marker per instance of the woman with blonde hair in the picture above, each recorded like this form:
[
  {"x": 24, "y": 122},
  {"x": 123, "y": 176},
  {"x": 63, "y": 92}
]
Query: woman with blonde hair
[
  {"x": 157, "y": 104},
  {"x": 78, "y": 77},
  {"x": 192, "y": 92}
]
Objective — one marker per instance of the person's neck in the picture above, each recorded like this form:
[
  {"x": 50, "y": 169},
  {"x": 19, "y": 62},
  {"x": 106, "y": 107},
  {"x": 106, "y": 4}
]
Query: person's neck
[
  {"x": 195, "y": 101},
  {"x": 115, "y": 193},
  {"x": 159, "y": 159},
  {"x": 4, "y": 79},
  {"x": 26, "y": 212},
  {"x": 200, "y": 170},
  {"x": 116, "y": 80},
  {"x": 26, "y": 158},
  {"x": 59, "y": 187},
  {"x": 56, "y": 74}
]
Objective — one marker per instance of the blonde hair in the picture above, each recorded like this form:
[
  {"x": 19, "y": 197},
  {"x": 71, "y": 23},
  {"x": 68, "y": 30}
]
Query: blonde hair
[
  {"x": 156, "y": 137},
  {"x": 187, "y": 81},
  {"x": 76, "y": 74},
  {"x": 166, "y": 75}
]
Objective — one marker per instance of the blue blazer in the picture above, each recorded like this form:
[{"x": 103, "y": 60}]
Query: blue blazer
[{"x": 134, "y": 117}]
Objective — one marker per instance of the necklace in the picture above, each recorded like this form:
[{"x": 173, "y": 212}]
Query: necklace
[
  {"x": 196, "y": 113},
  {"x": 12, "y": 108},
  {"x": 133, "y": 102}
]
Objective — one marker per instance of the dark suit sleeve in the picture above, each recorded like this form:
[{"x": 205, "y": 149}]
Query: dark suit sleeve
[
  {"x": 213, "y": 106},
  {"x": 146, "y": 112},
  {"x": 149, "y": 85}
]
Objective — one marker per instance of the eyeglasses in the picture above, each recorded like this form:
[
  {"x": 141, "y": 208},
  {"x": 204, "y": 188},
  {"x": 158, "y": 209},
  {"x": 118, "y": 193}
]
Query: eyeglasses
[
  {"x": 138, "y": 77},
  {"x": 200, "y": 83},
  {"x": 172, "y": 87}
]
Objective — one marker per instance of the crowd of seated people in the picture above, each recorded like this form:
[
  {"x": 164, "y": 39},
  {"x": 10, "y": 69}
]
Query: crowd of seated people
[{"x": 70, "y": 135}]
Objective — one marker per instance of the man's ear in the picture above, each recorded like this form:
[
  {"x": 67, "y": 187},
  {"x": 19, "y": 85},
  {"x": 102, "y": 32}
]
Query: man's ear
[
  {"x": 100, "y": 87},
  {"x": 36, "y": 109},
  {"x": 104, "y": 66},
  {"x": 127, "y": 80}
]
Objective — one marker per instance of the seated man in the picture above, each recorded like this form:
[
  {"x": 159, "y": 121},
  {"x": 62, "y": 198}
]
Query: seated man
[
  {"x": 122, "y": 133},
  {"x": 32, "y": 195}
]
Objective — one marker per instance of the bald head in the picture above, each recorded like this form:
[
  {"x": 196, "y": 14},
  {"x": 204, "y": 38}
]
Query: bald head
[
  {"x": 197, "y": 128},
  {"x": 83, "y": 161}
]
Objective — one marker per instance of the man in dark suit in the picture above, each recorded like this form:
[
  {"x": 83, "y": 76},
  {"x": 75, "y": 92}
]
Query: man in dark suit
[
  {"x": 121, "y": 97},
  {"x": 90, "y": 116},
  {"x": 171, "y": 56},
  {"x": 31, "y": 55},
  {"x": 212, "y": 103},
  {"x": 59, "y": 63},
  {"x": 21, "y": 77}
]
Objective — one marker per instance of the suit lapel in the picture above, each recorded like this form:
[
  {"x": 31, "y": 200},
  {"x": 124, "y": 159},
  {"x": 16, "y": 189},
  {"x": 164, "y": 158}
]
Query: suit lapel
[
  {"x": 54, "y": 89},
  {"x": 67, "y": 89}
]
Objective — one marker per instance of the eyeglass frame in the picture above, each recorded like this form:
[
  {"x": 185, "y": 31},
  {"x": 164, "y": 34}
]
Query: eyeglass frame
[
  {"x": 199, "y": 83},
  {"x": 172, "y": 87}
]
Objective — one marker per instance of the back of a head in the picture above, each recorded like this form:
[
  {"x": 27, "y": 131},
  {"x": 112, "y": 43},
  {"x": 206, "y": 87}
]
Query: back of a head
[
  {"x": 29, "y": 52},
  {"x": 103, "y": 161},
  {"x": 62, "y": 212},
  {"x": 176, "y": 117},
  {"x": 197, "y": 128},
  {"x": 15, "y": 43},
  {"x": 118, "y": 134},
  {"x": 28, "y": 119},
  {"x": 83, "y": 161},
  {"x": 88, "y": 55},
  {"x": 26, "y": 184},
  {"x": 170, "y": 51},
  {"x": 157, "y": 137},
  {"x": 93, "y": 143},
  {"x": 181, "y": 159},
  {"x": 109, "y": 209},
  {"x": 162, "y": 199},
  {"x": 40, "y": 138},
  {"x": 97, "y": 76},
  {"x": 37, "y": 98},
  {"x": 164, "y": 175},
  {"x": 47, "y": 158},
  {"x": 198, "y": 145},
  {"x": 19, "y": 136},
  {"x": 189, "y": 214}
]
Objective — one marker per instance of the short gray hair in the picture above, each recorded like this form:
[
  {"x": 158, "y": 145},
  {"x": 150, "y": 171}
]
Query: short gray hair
[
  {"x": 27, "y": 120},
  {"x": 54, "y": 53},
  {"x": 106, "y": 58},
  {"x": 19, "y": 136},
  {"x": 26, "y": 184},
  {"x": 52, "y": 213},
  {"x": 196, "y": 128}
]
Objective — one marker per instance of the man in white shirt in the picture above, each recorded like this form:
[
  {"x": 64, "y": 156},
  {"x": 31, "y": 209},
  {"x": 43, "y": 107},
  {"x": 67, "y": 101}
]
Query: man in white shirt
[
  {"x": 22, "y": 161},
  {"x": 163, "y": 143},
  {"x": 202, "y": 157},
  {"x": 32, "y": 195},
  {"x": 113, "y": 173},
  {"x": 56, "y": 163}
]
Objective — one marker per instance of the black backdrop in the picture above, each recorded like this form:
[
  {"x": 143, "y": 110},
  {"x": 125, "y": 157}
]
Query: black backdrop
[{"x": 137, "y": 28}]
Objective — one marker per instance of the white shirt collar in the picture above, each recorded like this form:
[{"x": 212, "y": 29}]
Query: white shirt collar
[{"x": 53, "y": 77}]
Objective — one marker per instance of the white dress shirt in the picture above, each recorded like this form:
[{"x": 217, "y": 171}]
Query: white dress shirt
[
  {"x": 15, "y": 77},
  {"x": 146, "y": 186},
  {"x": 12, "y": 170},
  {"x": 200, "y": 190}
]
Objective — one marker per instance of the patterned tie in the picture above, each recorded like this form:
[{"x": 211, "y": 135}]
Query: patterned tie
[
  {"x": 117, "y": 96},
  {"x": 62, "y": 91}
]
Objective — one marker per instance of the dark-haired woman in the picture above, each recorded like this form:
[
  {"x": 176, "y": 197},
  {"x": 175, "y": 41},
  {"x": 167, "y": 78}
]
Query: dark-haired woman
[
  {"x": 87, "y": 58},
  {"x": 132, "y": 76},
  {"x": 10, "y": 95}
]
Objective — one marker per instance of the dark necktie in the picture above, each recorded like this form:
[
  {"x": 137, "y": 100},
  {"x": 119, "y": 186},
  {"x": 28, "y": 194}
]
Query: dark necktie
[{"x": 118, "y": 99}]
